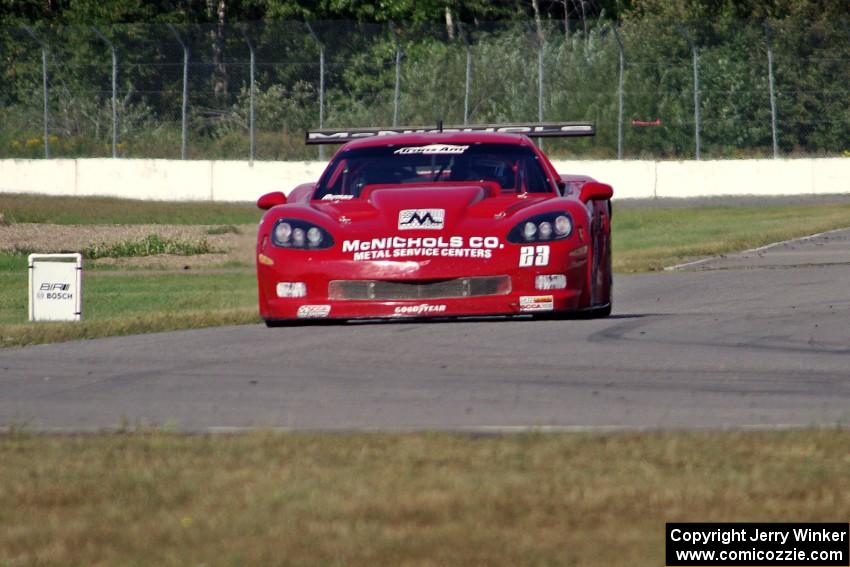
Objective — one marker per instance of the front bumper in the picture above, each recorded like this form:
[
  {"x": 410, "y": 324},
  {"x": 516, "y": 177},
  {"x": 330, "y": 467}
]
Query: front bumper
[
  {"x": 519, "y": 297},
  {"x": 538, "y": 302}
]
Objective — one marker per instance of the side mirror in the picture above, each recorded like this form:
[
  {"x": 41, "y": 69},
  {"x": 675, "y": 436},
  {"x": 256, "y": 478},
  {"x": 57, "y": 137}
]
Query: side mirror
[
  {"x": 595, "y": 191},
  {"x": 562, "y": 187},
  {"x": 270, "y": 200}
]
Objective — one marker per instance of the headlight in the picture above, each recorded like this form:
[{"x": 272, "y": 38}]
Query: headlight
[
  {"x": 291, "y": 289},
  {"x": 314, "y": 236},
  {"x": 563, "y": 225},
  {"x": 542, "y": 228},
  {"x": 295, "y": 233},
  {"x": 282, "y": 232}
]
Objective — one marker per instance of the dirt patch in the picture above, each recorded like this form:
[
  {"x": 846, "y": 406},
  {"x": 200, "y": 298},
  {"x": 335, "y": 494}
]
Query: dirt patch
[{"x": 48, "y": 238}]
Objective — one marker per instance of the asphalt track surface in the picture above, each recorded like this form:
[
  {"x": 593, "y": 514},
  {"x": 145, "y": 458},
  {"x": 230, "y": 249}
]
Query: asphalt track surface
[{"x": 759, "y": 339}]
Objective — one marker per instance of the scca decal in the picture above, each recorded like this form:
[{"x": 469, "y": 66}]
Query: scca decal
[
  {"x": 536, "y": 303},
  {"x": 314, "y": 311}
]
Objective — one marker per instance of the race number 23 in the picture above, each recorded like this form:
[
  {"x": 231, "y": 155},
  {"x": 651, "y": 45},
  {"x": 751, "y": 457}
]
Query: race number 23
[{"x": 533, "y": 256}]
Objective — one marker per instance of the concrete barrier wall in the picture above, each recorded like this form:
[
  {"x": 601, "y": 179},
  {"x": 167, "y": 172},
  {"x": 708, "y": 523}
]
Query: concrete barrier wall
[
  {"x": 49, "y": 177},
  {"x": 753, "y": 177},
  {"x": 242, "y": 181},
  {"x": 144, "y": 179},
  {"x": 239, "y": 181},
  {"x": 631, "y": 179}
]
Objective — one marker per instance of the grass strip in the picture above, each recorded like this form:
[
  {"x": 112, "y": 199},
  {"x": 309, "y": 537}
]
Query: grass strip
[
  {"x": 19, "y": 208},
  {"x": 649, "y": 239},
  {"x": 224, "y": 229},
  {"x": 121, "y": 303},
  {"x": 400, "y": 499},
  {"x": 150, "y": 245},
  {"x": 23, "y": 334}
]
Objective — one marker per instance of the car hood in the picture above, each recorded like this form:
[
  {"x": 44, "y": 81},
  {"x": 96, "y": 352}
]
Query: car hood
[{"x": 456, "y": 204}]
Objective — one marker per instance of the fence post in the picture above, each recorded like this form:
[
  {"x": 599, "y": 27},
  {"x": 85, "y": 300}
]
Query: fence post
[
  {"x": 46, "y": 112},
  {"x": 468, "y": 82},
  {"x": 397, "y": 85},
  {"x": 45, "y": 115},
  {"x": 114, "y": 90},
  {"x": 540, "y": 79},
  {"x": 321, "y": 85},
  {"x": 540, "y": 83},
  {"x": 396, "y": 91},
  {"x": 251, "y": 93},
  {"x": 693, "y": 47},
  {"x": 467, "y": 85},
  {"x": 620, "y": 93},
  {"x": 185, "y": 105},
  {"x": 772, "y": 93}
]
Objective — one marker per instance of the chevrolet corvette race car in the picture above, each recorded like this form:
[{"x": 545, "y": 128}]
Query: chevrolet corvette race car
[{"x": 446, "y": 222}]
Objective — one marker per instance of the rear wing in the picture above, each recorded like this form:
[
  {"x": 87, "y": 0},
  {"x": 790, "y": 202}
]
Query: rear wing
[{"x": 535, "y": 130}]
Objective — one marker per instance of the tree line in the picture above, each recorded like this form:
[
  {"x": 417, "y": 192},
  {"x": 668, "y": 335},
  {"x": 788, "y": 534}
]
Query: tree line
[{"x": 481, "y": 56}]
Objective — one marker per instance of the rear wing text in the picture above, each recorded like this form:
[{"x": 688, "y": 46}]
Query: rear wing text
[{"x": 535, "y": 130}]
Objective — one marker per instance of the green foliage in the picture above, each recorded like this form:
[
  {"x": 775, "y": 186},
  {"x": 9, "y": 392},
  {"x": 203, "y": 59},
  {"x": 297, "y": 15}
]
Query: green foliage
[
  {"x": 581, "y": 66},
  {"x": 223, "y": 229},
  {"x": 150, "y": 245},
  {"x": 108, "y": 210}
]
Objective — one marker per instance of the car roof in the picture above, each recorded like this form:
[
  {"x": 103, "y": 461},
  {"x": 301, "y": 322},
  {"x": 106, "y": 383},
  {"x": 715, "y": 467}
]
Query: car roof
[{"x": 439, "y": 138}]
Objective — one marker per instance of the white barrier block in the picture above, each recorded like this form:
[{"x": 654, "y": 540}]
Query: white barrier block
[
  {"x": 734, "y": 177},
  {"x": 176, "y": 180},
  {"x": 630, "y": 179},
  {"x": 155, "y": 179},
  {"x": 43, "y": 176},
  {"x": 831, "y": 175},
  {"x": 241, "y": 181},
  {"x": 55, "y": 287}
]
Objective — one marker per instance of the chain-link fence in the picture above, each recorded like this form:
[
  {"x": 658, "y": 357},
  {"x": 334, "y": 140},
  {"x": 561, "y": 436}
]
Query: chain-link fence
[{"x": 655, "y": 89}]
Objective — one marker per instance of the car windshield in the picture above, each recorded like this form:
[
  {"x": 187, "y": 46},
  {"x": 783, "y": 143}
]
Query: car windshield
[{"x": 516, "y": 169}]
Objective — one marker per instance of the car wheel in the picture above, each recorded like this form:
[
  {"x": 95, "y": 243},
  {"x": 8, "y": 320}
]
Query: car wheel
[{"x": 600, "y": 312}]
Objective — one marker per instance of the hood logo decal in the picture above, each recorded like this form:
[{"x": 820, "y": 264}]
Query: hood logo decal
[{"x": 421, "y": 219}]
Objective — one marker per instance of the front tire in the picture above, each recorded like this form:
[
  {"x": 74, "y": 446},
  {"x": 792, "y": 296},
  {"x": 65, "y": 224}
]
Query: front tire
[{"x": 599, "y": 312}]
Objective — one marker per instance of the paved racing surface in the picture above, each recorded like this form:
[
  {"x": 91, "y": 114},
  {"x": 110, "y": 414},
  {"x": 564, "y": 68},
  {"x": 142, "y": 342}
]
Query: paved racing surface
[{"x": 759, "y": 339}]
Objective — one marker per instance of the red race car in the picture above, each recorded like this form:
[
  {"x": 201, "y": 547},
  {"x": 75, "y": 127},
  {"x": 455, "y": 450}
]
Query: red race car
[{"x": 445, "y": 222}]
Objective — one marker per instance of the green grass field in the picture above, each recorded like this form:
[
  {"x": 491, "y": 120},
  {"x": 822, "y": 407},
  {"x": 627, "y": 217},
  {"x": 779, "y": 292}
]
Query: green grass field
[
  {"x": 650, "y": 239},
  {"x": 17, "y": 208},
  {"x": 122, "y": 301},
  {"x": 401, "y": 499},
  {"x": 301, "y": 499},
  {"x": 109, "y": 295}
]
